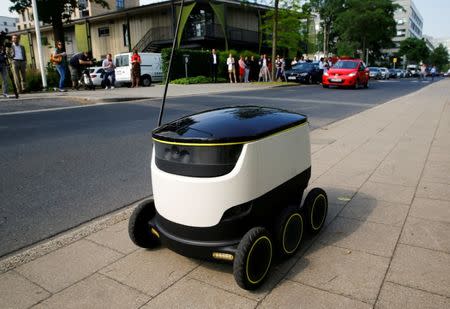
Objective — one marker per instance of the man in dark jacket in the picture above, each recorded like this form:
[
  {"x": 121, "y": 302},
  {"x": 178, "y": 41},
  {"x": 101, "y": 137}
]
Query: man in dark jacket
[
  {"x": 214, "y": 60},
  {"x": 76, "y": 64}
]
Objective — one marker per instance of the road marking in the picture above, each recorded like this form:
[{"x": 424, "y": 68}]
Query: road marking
[
  {"x": 292, "y": 100},
  {"x": 54, "y": 109}
]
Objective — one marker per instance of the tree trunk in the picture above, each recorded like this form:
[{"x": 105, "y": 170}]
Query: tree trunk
[
  {"x": 58, "y": 29},
  {"x": 274, "y": 39}
]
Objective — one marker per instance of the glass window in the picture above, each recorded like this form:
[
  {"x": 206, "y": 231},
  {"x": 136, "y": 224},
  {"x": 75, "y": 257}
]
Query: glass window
[
  {"x": 103, "y": 31},
  {"x": 120, "y": 4},
  {"x": 345, "y": 64},
  {"x": 122, "y": 61},
  {"x": 125, "y": 35}
]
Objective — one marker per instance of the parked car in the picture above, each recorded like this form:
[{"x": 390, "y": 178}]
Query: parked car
[
  {"x": 307, "y": 72},
  {"x": 447, "y": 74},
  {"x": 96, "y": 74},
  {"x": 413, "y": 69},
  {"x": 348, "y": 73},
  {"x": 374, "y": 73},
  {"x": 392, "y": 73},
  {"x": 400, "y": 73},
  {"x": 151, "y": 68},
  {"x": 384, "y": 73}
]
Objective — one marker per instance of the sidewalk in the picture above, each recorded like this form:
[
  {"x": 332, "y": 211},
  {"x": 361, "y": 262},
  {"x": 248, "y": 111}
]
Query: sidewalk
[
  {"x": 153, "y": 92},
  {"x": 386, "y": 243}
]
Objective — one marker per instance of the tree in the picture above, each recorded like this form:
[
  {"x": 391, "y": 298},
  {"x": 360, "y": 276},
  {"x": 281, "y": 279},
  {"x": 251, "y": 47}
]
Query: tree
[
  {"x": 439, "y": 57},
  {"x": 53, "y": 12},
  {"x": 414, "y": 49},
  {"x": 328, "y": 10},
  {"x": 367, "y": 24}
]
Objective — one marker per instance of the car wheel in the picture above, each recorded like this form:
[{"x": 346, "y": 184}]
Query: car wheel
[
  {"x": 316, "y": 207},
  {"x": 366, "y": 85},
  {"x": 139, "y": 229},
  {"x": 310, "y": 80},
  {"x": 289, "y": 231},
  {"x": 146, "y": 80},
  {"x": 253, "y": 258}
]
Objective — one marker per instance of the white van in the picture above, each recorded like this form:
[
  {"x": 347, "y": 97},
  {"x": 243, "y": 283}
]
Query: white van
[{"x": 151, "y": 68}]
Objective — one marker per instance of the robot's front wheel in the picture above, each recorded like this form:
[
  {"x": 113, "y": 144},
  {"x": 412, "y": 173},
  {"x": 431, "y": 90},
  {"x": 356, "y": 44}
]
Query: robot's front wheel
[
  {"x": 253, "y": 258},
  {"x": 139, "y": 229},
  {"x": 289, "y": 231},
  {"x": 316, "y": 205}
]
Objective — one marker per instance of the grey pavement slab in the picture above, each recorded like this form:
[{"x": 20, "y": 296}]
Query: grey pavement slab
[
  {"x": 430, "y": 209},
  {"x": 419, "y": 268},
  {"x": 295, "y": 295},
  {"x": 437, "y": 171},
  {"x": 191, "y": 293},
  {"x": 62, "y": 268},
  {"x": 115, "y": 237},
  {"x": 150, "y": 271},
  {"x": 427, "y": 234},
  {"x": 433, "y": 190},
  {"x": 387, "y": 192},
  {"x": 369, "y": 237},
  {"x": 376, "y": 211},
  {"x": 355, "y": 274},
  {"x": 397, "y": 296},
  {"x": 96, "y": 291},
  {"x": 17, "y": 292}
]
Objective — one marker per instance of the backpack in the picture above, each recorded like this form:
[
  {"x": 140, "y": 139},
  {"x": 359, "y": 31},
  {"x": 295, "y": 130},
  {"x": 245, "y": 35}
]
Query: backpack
[{"x": 55, "y": 59}]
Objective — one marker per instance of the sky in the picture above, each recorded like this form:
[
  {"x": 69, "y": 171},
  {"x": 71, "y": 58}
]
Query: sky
[{"x": 434, "y": 12}]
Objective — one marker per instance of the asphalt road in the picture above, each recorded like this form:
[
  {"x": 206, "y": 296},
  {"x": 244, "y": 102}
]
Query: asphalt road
[{"x": 63, "y": 167}]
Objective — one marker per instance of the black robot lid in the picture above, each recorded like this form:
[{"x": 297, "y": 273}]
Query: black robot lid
[{"x": 228, "y": 125}]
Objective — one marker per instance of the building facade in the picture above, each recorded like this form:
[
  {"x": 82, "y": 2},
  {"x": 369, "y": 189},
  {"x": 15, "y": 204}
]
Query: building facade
[
  {"x": 221, "y": 24},
  {"x": 409, "y": 23},
  {"x": 8, "y": 24}
]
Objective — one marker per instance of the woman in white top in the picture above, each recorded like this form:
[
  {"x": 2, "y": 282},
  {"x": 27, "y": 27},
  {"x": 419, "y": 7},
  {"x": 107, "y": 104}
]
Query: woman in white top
[{"x": 231, "y": 68}]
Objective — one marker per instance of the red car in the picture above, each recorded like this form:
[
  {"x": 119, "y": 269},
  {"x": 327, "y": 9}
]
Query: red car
[{"x": 346, "y": 73}]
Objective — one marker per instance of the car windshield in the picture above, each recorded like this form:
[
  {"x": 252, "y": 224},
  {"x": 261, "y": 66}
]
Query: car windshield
[
  {"x": 373, "y": 69},
  {"x": 345, "y": 65},
  {"x": 303, "y": 66}
]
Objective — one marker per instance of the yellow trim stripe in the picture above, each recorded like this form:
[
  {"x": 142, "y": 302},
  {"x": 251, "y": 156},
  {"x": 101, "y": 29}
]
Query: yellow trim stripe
[
  {"x": 312, "y": 211},
  {"x": 248, "y": 260},
  {"x": 226, "y": 144}
]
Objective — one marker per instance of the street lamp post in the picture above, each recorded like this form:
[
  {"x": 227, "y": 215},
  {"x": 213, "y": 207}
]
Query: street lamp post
[{"x": 39, "y": 44}]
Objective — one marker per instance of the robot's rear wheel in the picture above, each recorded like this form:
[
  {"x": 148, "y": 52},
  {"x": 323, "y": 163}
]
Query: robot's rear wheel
[
  {"x": 139, "y": 229},
  {"x": 316, "y": 205},
  {"x": 253, "y": 258},
  {"x": 289, "y": 231}
]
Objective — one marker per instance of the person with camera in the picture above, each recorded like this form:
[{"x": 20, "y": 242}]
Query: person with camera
[
  {"x": 77, "y": 64},
  {"x": 108, "y": 66},
  {"x": 19, "y": 63},
  {"x": 4, "y": 70},
  {"x": 58, "y": 58}
]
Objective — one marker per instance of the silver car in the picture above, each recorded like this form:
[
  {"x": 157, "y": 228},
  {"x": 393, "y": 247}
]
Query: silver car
[{"x": 384, "y": 73}]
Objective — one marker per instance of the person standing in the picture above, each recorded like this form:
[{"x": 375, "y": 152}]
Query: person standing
[
  {"x": 214, "y": 60},
  {"x": 19, "y": 63},
  {"x": 433, "y": 73},
  {"x": 294, "y": 62},
  {"x": 109, "y": 69},
  {"x": 59, "y": 60},
  {"x": 231, "y": 68},
  {"x": 423, "y": 71},
  {"x": 76, "y": 64},
  {"x": 241, "y": 69},
  {"x": 135, "y": 69},
  {"x": 247, "y": 69},
  {"x": 4, "y": 71}
]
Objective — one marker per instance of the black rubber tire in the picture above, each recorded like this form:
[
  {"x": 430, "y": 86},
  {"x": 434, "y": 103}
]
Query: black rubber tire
[
  {"x": 253, "y": 258},
  {"x": 366, "y": 85},
  {"x": 139, "y": 230},
  {"x": 146, "y": 80},
  {"x": 316, "y": 207},
  {"x": 289, "y": 231},
  {"x": 310, "y": 80}
]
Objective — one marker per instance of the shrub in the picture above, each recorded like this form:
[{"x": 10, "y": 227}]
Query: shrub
[{"x": 196, "y": 80}]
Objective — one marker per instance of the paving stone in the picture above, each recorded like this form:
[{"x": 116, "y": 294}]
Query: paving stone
[
  {"x": 63, "y": 267},
  {"x": 337, "y": 194},
  {"x": 333, "y": 210},
  {"x": 342, "y": 271},
  {"x": 368, "y": 237},
  {"x": 17, "y": 292},
  {"x": 437, "y": 172},
  {"x": 396, "y": 296},
  {"x": 376, "y": 211},
  {"x": 295, "y": 295},
  {"x": 191, "y": 293},
  {"x": 115, "y": 237},
  {"x": 96, "y": 291},
  {"x": 433, "y": 190},
  {"x": 387, "y": 192},
  {"x": 427, "y": 234},
  {"x": 422, "y": 269},
  {"x": 150, "y": 271},
  {"x": 430, "y": 209}
]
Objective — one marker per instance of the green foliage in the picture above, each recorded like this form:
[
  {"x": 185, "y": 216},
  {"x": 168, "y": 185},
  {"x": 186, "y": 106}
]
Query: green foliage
[
  {"x": 439, "y": 57},
  {"x": 196, "y": 80},
  {"x": 416, "y": 50},
  {"x": 367, "y": 24},
  {"x": 291, "y": 27},
  {"x": 34, "y": 79}
]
